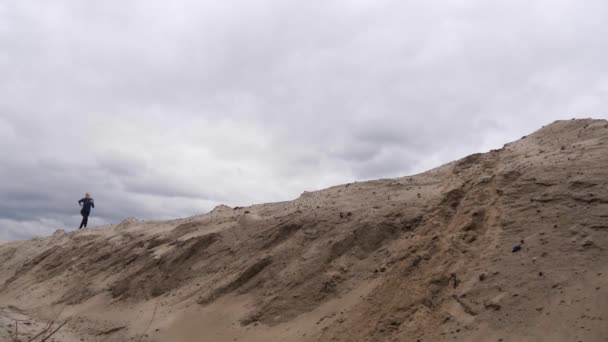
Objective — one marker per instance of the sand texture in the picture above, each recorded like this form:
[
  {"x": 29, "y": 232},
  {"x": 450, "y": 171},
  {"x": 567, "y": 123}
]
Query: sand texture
[{"x": 510, "y": 245}]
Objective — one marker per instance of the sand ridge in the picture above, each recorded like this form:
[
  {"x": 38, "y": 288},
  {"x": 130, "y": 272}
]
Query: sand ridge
[{"x": 507, "y": 245}]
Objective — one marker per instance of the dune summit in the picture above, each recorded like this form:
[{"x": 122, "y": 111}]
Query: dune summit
[{"x": 509, "y": 245}]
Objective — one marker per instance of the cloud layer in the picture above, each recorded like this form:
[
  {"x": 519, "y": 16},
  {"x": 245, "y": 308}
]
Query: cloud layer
[{"x": 164, "y": 109}]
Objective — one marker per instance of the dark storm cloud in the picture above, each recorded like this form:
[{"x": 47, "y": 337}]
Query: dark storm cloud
[{"x": 165, "y": 109}]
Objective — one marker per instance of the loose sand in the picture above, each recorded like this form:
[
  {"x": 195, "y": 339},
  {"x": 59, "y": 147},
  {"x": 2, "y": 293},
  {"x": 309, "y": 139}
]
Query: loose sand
[{"x": 509, "y": 245}]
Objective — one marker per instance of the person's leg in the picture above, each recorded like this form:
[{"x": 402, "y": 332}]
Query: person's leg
[
  {"x": 82, "y": 223},
  {"x": 85, "y": 219}
]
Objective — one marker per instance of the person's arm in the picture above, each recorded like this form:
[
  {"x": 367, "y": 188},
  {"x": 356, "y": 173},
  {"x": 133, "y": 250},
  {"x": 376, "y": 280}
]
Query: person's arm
[
  {"x": 80, "y": 202},
  {"x": 92, "y": 203}
]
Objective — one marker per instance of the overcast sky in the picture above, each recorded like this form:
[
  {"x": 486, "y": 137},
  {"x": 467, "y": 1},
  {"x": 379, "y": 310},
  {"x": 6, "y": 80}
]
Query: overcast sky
[{"x": 164, "y": 109}]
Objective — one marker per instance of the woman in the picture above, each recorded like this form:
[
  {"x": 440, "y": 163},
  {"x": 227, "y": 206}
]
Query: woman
[{"x": 86, "y": 203}]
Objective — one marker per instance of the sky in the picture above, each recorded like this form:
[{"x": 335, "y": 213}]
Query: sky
[{"x": 165, "y": 109}]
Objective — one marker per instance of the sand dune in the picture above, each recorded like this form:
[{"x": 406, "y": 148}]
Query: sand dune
[{"x": 509, "y": 245}]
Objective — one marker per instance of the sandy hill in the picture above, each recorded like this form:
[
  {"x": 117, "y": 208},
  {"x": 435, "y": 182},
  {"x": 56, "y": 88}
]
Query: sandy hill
[{"x": 509, "y": 245}]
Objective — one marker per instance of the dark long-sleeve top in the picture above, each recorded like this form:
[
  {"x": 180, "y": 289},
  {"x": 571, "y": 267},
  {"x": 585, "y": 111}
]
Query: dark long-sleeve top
[{"x": 87, "y": 204}]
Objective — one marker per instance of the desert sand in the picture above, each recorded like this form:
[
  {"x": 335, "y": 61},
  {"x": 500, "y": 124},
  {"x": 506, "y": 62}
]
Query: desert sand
[{"x": 509, "y": 245}]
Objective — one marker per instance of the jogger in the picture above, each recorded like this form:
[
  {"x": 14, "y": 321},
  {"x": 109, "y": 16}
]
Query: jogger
[
  {"x": 86, "y": 203},
  {"x": 85, "y": 219}
]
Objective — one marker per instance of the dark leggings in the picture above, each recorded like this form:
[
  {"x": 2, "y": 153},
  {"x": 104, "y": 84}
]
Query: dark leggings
[{"x": 85, "y": 219}]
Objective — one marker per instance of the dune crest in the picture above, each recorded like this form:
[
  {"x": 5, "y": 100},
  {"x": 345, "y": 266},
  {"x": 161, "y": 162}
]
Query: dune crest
[{"x": 509, "y": 245}]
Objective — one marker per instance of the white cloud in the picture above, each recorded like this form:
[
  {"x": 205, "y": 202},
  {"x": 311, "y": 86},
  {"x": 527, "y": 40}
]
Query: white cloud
[{"x": 167, "y": 109}]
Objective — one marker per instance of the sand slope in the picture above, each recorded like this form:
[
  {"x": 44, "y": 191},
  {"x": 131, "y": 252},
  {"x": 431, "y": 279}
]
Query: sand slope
[{"x": 508, "y": 245}]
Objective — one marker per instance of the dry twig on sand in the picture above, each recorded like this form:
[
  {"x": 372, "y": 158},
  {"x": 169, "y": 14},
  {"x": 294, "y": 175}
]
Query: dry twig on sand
[
  {"x": 46, "y": 333},
  {"x": 48, "y": 327},
  {"x": 149, "y": 323},
  {"x": 54, "y": 331},
  {"x": 16, "y": 337}
]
